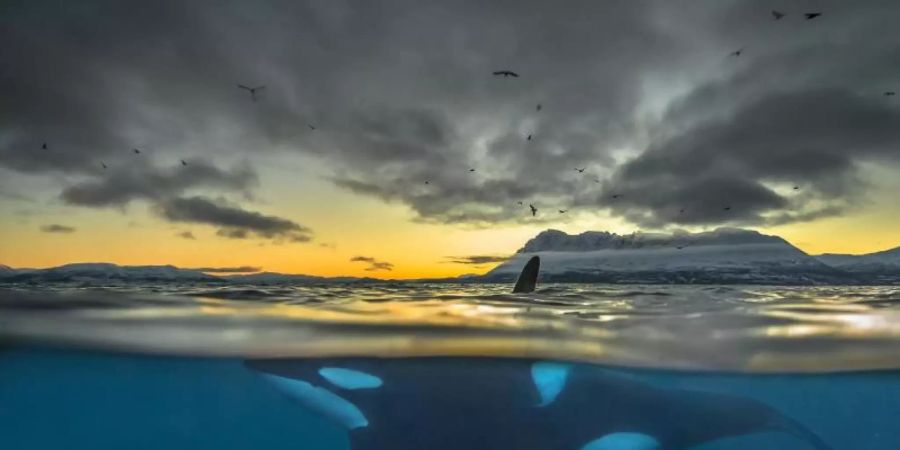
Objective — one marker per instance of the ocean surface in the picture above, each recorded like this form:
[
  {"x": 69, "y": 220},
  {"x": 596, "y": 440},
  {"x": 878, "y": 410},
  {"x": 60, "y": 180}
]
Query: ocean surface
[{"x": 194, "y": 366}]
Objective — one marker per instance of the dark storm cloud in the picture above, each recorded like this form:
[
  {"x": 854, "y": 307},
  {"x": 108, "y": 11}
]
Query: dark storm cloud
[
  {"x": 811, "y": 139},
  {"x": 401, "y": 94},
  {"x": 55, "y": 228},
  {"x": 124, "y": 184},
  {"x": 232, "y": 222},
  {"x": 477, "y": 260},
  {"x": 374, "y": 264},
  {"x": 241, "y": 269}
]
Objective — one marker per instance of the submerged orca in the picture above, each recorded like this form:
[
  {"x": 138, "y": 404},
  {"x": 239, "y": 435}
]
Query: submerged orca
[{"x": 441, "y": 403}]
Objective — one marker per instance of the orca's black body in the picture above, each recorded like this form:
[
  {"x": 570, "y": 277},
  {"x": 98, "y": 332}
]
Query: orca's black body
[{"x": 495, "y": 404}]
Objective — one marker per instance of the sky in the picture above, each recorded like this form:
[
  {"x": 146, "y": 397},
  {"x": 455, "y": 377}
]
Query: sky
[{"x": 382, "y": 144}]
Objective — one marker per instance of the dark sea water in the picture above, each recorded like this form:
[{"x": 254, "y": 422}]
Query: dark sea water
[{"x": 198, "y": 366}]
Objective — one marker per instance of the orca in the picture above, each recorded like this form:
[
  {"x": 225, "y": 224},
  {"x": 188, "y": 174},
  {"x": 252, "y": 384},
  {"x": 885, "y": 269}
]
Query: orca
[
  {"x": 527, "y": 280},
  {"x": 452, "y": 403}
]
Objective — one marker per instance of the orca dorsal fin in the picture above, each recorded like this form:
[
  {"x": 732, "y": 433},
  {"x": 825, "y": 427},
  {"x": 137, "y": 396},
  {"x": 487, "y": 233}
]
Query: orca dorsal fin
[{"x": 528, "y": 278}]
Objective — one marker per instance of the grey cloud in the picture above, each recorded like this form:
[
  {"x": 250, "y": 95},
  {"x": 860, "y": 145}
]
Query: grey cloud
[
  {"x": 124, "y": 184},
  {"x": 55, "y": 228},
  {"x": 374, "y": 264},
  {"x": 401, "y": 94},
  {"x": 231, "y": 221},
  {"x": 476, "y": 260},
  {"x": 811, "y": 139},
  {"x": 400, "y": 91},
  {"x": 240, "y": 269}
]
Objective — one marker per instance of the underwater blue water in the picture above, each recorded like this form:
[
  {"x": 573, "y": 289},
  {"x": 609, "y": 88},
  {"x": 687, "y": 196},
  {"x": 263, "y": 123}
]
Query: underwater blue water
[
  {"x": 165, "y": 366},
  {"x": 54, "y": 399}
]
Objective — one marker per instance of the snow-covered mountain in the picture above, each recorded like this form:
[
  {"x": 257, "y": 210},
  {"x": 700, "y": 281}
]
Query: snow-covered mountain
[
  {"x": 726, "y": 255},
  {"x": 882, "y": 266},
  {"x": 106, "y": 272}
]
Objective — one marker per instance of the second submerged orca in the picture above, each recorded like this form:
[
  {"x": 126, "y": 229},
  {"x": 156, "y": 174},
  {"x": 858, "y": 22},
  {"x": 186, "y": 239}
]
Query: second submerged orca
[{"x": 441, "y": 403}]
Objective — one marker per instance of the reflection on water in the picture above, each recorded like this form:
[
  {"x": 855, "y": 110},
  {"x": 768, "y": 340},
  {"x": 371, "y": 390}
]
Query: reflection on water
[{"x": 777, "y": 329}]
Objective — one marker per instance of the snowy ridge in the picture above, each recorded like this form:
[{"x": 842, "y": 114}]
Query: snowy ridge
[{"x": 726, "y": 255}]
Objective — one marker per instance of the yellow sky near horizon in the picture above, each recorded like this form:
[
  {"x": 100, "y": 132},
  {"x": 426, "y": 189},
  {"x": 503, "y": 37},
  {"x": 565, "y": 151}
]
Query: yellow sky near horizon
[{"x": 346, "y": 225}]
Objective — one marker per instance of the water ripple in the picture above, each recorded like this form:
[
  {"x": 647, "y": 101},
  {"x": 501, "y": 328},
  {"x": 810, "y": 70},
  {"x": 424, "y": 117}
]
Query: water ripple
[{"x": 737, "y": 328}]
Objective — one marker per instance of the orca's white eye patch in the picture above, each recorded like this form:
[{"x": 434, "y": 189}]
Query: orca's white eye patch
[
  {"x": 349, "y": 379},
  {"x": 623, "y": 441},
  {"x": 550, "y": 379},
  {"x": 321, "y": 401}
]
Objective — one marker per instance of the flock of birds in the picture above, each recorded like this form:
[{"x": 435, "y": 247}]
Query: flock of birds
[{"x": 255, "y": 90}]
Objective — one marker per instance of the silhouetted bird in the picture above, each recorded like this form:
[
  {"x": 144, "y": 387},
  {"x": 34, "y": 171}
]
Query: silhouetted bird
[
  {"x": 538, "y": 107},
  {"x": 471, "y": 170},
  {"x": 679, "y": 247},
  {"x": 596, "y": 180},
  {"x": 680, "y": 211},
  {"x": 563, "y": 211},
  {"x": 580, "y": 170},
  {"x": 506, "y": 73},
  {"x": 796, "y": 188},
  {"x": 44, "y": 146},
  {"x": 890, "y": 94},
  {"x": 533, "y": 210},
  {"x": 103, "y": 164},
  {"x": 811, "y": 16},
  {"x": 529, "y": 137},
  {"x": 251, "y": 90},
  {"x": 136, "y": 151},
  {"x": 520, "y": 203},
  {"x": 727, "y": 208},
  {"x": 426, "y": 182},
  {"x": 738, "y": 52},
  {"x": 183, "y": 162},
  {"x": 311, "y": 127},
  {"x": 777, "y": 14},
  {"x": 616, "y": 195}
]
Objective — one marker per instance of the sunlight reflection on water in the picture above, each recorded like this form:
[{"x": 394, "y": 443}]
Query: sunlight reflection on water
[{"x": 758, "y": 328}]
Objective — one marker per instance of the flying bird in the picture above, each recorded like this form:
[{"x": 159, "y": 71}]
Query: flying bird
[
  {"x": 596, "y": 180},
  {"x": 796, "y": 188},
  {"x": 679, "y": 247},
  {"x": 563, "y": 211},
  {"x": 103, "y": 164},
  {"x": 812, "y": 15},
  {"x": 680, "y": 211},
  {"x": 426, "y": 182},
  {"x": 183, "y": 162},
  {"x": 471, "y": 170},
  {"x": 136, "y": 151},
  {"x": 727, "y": 208},
  {"x": 890, "y": 94},
  {"x": 529, "y": 137},
  {"x": 44, "y": 146},
  {"x": 616, "y": 195},
  {"x": 533, "y": 210},
  {"x": 777, "y": 14},
  {"x": 506, "y": 73},
  {"x": 538, "y": 107},
  {"x": 580, "y": 170},
  {"x": 738, "y": 52},
  {"x": 311, "y": 127},
  {"x": 251, "y": 90},
  {"x": 520, "y": 203}
]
